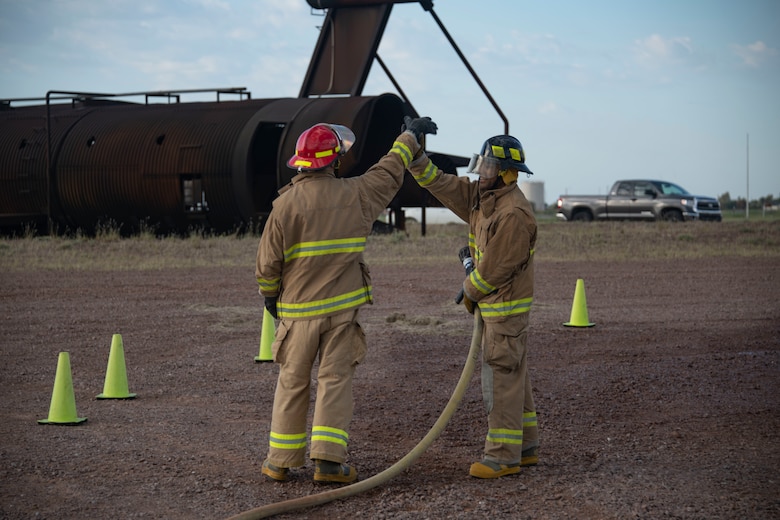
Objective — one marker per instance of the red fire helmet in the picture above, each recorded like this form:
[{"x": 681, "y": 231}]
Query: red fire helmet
[{"x": 321, "y": 145}]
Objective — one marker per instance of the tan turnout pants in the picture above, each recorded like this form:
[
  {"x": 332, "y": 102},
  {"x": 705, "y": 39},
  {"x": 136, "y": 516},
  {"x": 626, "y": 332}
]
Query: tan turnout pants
[
  {"x": 340, "y": 343},
  {"x": 506, "y": 390}
]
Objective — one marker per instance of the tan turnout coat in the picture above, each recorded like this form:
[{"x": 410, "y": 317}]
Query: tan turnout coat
[
  {"x": 502, "y": 237},
  {"x": 311, "y": 250}
]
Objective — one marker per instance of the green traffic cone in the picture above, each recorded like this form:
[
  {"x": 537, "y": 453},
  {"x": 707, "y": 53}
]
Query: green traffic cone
[
  {"x": 63, "y": 401},
  {"x": 266, "y": 338},
  {"x": 579, "y": 308},
  {"x": 115, "y": 386}
]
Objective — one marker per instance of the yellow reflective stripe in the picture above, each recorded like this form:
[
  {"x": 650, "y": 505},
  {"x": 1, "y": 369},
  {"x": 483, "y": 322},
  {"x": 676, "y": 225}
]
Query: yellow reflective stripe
[
  {"x": 473, "y": 246},
  {"x": 287, "y": 441},
  {"x": 301, "y": 162},
  {"x": 427, "y": 175},
  {"x": 325, "y": 153},
  {"x": 325, "y": 247},
  {"x": 480, "y": 283},
  {"x": 505, "y": 436},
  {"x": 505, "y": 308},
  {"x": 402, "y": 150},
  {"x": 328, "y": 305},
  {"x": 328, "y": 434},
  {"x": 529, "y": 419},
  {"x": 269, "y": 285}
]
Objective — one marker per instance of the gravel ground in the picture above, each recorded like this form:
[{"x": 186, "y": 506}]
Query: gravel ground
[{"x": 667, "y": 408}]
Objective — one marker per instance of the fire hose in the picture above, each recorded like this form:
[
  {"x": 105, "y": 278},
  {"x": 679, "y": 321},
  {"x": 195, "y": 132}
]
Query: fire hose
[{"x": 394, "y": 470}]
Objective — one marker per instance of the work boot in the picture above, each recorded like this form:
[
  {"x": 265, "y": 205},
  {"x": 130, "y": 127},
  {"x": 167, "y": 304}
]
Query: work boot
[
  {"x": 490, "y": 469},
  {"x": 529, "y": 457},
  {"x": 333, "y": 472},
  {"x": 273, "y": 472}
]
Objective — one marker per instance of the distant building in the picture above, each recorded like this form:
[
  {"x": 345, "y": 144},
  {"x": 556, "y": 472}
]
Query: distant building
[{"x": 534, "y": 192}]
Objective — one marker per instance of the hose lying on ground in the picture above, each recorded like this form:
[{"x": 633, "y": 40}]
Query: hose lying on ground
[{"x": 394, "y": 470}]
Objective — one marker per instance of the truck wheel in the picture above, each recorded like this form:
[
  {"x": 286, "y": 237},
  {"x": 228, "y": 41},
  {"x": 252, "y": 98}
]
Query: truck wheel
[
  {"x": 582, "y": 216},
  {"x": 672, "y": 215}
]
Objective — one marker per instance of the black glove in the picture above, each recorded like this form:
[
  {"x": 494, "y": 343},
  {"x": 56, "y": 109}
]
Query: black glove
[
  {"x": 464, "y": 255},
  {"x": 419, "y": 127},
  {"x": 270, "y": 304}
]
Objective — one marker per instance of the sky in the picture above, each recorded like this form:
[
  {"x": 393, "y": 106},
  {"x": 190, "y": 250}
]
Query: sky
[{"x": 686, "y": 91}]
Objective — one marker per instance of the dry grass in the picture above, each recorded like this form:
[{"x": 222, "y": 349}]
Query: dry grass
[
  {"x": 558, "y": 241},
  {"x": 123, "y": 254},
  {"x": 561, "y": 241}
]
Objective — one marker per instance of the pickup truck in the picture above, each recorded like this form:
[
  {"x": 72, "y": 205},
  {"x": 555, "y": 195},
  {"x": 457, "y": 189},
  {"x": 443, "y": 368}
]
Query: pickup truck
[{"x": 639, "y": 200}]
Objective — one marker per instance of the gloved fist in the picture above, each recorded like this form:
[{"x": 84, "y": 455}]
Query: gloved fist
[
  {"x": 270, "y": 304},
  {"x": 464, "y": 255},
  {"x": 419, "y": 127}
]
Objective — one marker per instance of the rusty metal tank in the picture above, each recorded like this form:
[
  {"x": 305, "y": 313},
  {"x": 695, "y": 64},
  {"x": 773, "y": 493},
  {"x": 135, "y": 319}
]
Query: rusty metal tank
[
  {"x": 24, "y": 186},
  {"x": 173, "y": 166},
  {"x": 100, "y": 157}
]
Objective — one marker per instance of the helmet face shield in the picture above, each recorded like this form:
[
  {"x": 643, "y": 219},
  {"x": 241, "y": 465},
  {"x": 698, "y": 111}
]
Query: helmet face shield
[
  {"x": 346, "y": 137},
  {"x": 486, "y": 167}
]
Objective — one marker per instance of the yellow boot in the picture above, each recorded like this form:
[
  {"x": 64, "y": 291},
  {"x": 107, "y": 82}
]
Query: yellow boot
[
  {"x": 333, "y": 472},
  {"x": 490, "y": 469},
  {"x": 530, "y": 457},
  {"x": 274, "y": 472}
]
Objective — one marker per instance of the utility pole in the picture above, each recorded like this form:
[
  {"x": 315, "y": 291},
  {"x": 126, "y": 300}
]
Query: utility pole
[{"x": 747, "y": 174}]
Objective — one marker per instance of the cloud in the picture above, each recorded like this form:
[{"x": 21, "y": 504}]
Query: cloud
[
  {"x": 169, "y": 73},
  {"x": 755, "y": 54},
  {"x": 548, "y": 107},
  {"x": 215, "y": 4},
  {"x": 527, "y": 49},
  {"x": 655, "y": 51}
]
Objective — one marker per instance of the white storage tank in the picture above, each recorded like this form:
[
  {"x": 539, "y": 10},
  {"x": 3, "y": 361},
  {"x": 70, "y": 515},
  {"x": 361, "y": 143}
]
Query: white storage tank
[{"x": 534, "y": 192}]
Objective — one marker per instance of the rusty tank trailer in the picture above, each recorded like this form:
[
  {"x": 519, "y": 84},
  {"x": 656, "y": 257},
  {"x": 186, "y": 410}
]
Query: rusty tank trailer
[{"x": 77, "y": 160}]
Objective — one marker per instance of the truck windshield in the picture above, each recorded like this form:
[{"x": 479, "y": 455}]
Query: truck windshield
[{"x": 668, "y": 188}]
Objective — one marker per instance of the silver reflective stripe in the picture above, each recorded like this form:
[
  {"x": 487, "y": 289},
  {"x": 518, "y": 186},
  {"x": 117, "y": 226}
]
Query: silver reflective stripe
[
  {"x": 328, "y": 434},
  {"x": 505, "y": 436}
]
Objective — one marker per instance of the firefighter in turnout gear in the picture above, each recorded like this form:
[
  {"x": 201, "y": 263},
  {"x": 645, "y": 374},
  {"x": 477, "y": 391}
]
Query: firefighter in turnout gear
[
  {"x": 502, "y": 237},
  {"x": 311, "y": 272}
]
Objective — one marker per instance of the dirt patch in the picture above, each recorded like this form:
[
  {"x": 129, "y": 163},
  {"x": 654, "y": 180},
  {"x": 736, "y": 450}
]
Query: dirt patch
[{"x": 667, "y": 408}]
